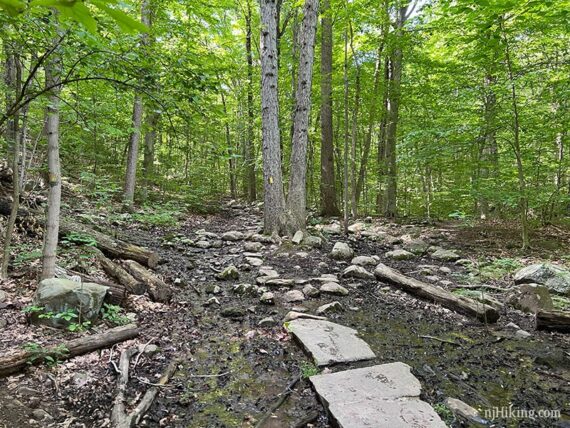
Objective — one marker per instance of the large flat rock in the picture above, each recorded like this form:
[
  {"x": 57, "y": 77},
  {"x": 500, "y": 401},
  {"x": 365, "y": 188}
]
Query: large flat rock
[
  {"x": 380, "y": 396},
  {"x": 330, "y": 343}
]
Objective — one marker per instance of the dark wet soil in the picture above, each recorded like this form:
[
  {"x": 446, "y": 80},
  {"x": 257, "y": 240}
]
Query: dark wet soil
[{"x": 232, "y": 371}]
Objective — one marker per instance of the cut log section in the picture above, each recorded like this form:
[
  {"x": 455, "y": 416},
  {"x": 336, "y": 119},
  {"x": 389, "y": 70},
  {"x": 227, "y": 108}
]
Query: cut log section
[
  {"x": 553, "y": 320},
  {"x": 116, "y": 294},
  {"x": 158, "y": 290},
  {"x": 18, "y": 360},
  {"x": 116, "y": 271},
  {"x": 449, "y": 300},
  {"x": 112, "y": 247}
]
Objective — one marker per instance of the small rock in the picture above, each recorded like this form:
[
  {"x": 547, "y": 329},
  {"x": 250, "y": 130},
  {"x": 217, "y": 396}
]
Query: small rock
[
  {"x": 329, "y": 308},
  {"x": 416, "y": 246},
  {"x": 268, "y": 298},
  {"x": 41, "y": 415},
  {"x": 211, "y": 301},
  {"x": 341, "y": 251},
  {"x": 334, "y": 288},
  {"x": 203, "y": 244},
  {"x": 253, "y": 261},
  {"x": 149, "y": 349},
  {"x": 230, "y": 272},
  {"x": 531, "y": 298},
  {"x": 2, "y": 296},
  {"x": 212, "y": 289},
  {"x": 310, "y": 291},
  {"x": 445, "y": 270},
  {"x": 354, "y": 271},
  {"x": 217, "y": 244},
  {"x": 267, "y": 322},
  {"x": 232, "y": 312},
  {"x": 356, "y": 227},
  {"x": 446, "y": 255},
  {"x": 280, "y": 282},
  {"x": 445, "y": 283},
  {"x": 3, "y": 323},
  {"x": 513, "y": 326},
  {"x": 294, "y": 296},
  {"x": 298, "y": 237},
  {"x": 332, "y": 229},
  {"x": 302, "y": 254},
  {"x": 233, "y": 235},
  {"x": 313, "y": 241},
  {"x": 245, "y": 289},
  {"x": 522, "y": 334},
  {"x": 253, "y": 246},
  {"x": 464, "y": 411},
  {"x": 364, "y": 261},
  {"x": 399, "y": 255},
  {"x": 326, "y": 277}
]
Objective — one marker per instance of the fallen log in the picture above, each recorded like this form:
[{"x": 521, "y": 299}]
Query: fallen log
[
  {"x": 449, "y": 300},
  {"x": 116, "y": 294},
  {"x": 553, "y": 320},
  {"x": 115, "y": 248},
  {"x": 114, "y": 270},
  {"x": 158, "y": 290},
  {"x": 16, "y": 361},
  {"x": 119, "y": 416}
]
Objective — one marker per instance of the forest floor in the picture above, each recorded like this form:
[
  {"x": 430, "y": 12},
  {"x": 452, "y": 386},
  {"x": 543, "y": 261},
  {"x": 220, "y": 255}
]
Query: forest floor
[{"x": 232, "y": 370}]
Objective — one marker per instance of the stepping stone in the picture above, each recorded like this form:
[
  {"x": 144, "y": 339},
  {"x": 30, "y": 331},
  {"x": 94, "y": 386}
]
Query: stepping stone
[
  {"x": 330, "y": 343},
  {"x": 385, "y": 395}
]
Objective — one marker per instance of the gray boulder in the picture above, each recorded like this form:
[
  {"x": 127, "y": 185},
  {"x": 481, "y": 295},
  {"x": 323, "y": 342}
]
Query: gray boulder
[
  {"x": 230, "y": 272},
  {"x": 57, "y": 295},
  {"x": 416, "y": 246},
  {"x": 232, "y": 235},
  {"x": 333, "y": 288},
  {"x": 298, "y": 237},
  {"x": 531, "y": 298},
  {"x": 341, "y": 251},
  {"x": 399, "y": 255},
  {"x": 552, "y": 277},
  {"x": 364, "y": 261},
  {"x": 355, "y": 271},
  {"x": 445, "y": 255}
]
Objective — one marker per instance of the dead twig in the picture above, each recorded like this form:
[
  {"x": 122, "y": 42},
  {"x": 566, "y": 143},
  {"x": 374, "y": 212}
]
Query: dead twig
[
  {"x": 282, "y": 397},
  {"x": 212, "y": 375},
  {"x": 437, "y": 339}
]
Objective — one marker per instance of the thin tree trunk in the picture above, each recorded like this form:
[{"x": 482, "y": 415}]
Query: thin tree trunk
[
  {"x": 328, "y": 184},
  {"x": 53, "y": 70},
  {"x": 231, "y": 158},
  {"x": 152, "y": 119},
  {"x": 390, "y": 209},
  {"x": 381, "y": 153},
  {"x": 354, "y": 131},
  {"x": 134, "y": 140},
  {"x": 249, "y": 147},
  {"x": 297, "y": 197},
  {"x": 345, "y": 155},
  {"x": 489, "y": 150},
  {"x": 12, "y": 80},
  {"x": 274, "y": 198},
  {"x": 523, "y": 200}
]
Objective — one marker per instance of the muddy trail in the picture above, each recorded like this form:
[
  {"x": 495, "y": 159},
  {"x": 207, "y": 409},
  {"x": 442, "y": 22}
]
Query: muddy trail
[{"x": 236, "y": 358}]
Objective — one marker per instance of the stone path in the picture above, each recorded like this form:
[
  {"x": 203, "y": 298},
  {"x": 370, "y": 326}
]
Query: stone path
[
  {"x": 384, "y": 395},
  {"x": 330, "y": 343}
]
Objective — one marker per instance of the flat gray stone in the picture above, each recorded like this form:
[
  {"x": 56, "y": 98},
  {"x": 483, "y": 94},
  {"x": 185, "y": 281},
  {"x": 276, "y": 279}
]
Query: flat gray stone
[
  {"x": 330, "y": 343},
  {"x": 380, "y": 396}
]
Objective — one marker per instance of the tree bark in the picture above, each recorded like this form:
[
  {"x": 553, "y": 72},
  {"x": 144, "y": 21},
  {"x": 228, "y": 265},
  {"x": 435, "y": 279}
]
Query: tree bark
[
  {"x": 53, "y": 70},
  {"x": 430, "y": 292},
  {"x": 553, "y": 320},
  {"x": 16, "y": 361},
  {"x": 390, "y": 208},
  {"x": 354, "y": 128},
  {"x": 134, "y": 139},
  {"x": 297, "y": 197},
  {"x": 329, "y": 206},
  {"x": 274, "y": 198},
  {"x": 132, "y": 285},
  {"x": 158, "y": 290},
  {"x": 250, "y": 180},
  {"x": 345, "y": 151},
  {"x": 115, "y": 248},
  {"x": 152, "y": 119}
]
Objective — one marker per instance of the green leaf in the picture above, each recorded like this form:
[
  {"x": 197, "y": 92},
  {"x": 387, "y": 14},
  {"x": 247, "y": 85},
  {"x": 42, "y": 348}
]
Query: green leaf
[
  {"x": 12, "y": 7},
  {"x": 126, "y": 23}
]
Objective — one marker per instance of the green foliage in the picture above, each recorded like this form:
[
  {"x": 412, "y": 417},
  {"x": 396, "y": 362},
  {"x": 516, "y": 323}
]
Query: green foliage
[
  {"x": 160, "y": 216},
  {"x": 79, "y": 326},
  {"x": 27, "y": 256},
  {"x": 444, "y": 412},
  {"x": 113, "y": 314},
  {"x": 561, "y": 303},
  {"x": 497, "y": 269},
  {"x": 68, "y": 316},
  {"x": 48, "y": 356},
  {"x": 308, "y": 369},
  {"x": 78, "y": 238}
]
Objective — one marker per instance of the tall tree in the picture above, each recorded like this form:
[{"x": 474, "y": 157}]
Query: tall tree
[
  {"x": 297, "y": 196},
  {"x": 274, "y": 198},
  {"x": 250, "y": 180},
  {"x": 329, "y": 206},
  {"x": 134, "y": 139},
  {"x": 53, "y": 71}
]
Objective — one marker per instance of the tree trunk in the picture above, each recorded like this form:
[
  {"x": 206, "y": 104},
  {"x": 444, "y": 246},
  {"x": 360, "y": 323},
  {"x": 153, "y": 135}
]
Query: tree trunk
[
  {"x": 249, "y": 146},
  {"x": 16, "y": 361},
  {"x": 354, "y": 131},
  {"x": 53, "y": 70},
  {"x": 390, "y": 207},
  {"x": 231, "y": 158},
  {"x": 489, "y": 151},
  {"x": 381, "y": 153},
  {"x": 553, "y": 320},
  {"x": 134, "y": 139},
  {"x": 297, "y": 197},
  {"x": 329, "y": 205},
  {"x": 152, "y": 119},
  {"x": 274, "y": 198},
  {"x": 523, "y": 199},
  {"x": 12, "y": 81},
  {"x": 345, "y": 151}
]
